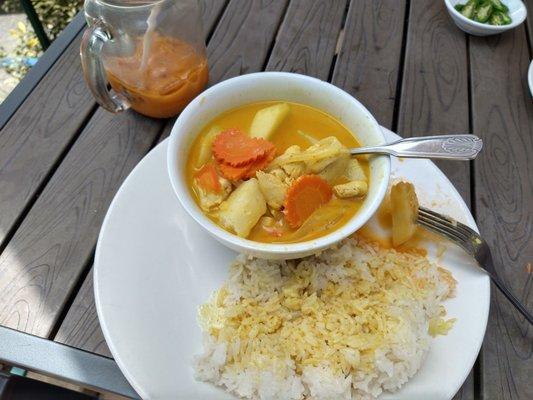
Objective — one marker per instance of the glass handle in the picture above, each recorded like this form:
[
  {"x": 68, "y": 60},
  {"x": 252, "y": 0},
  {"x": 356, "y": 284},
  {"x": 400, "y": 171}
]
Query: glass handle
[{"x": 92, "y": 43}]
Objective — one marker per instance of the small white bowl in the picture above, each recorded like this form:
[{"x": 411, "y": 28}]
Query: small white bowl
[
  {"x": 280, "y": 86},
  {"x": 517, "y": 11}
]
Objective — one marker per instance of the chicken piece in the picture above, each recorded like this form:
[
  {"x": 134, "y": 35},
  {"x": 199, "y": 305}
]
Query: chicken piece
[
  {"x": 354, "y": 171},
  {"x": 350, "y": 189},
  {"x": 294, "y": 169},
  {"x": 324, "y": 153},
  {"x": 316, "y": 157},
  {"x": 241, "y": 211},
  {"x": 273, "y": 189},
  {"x": 336, "y": 169},
  {"x": 210, "y": 199},
  {"x": 404, "y": 207}
]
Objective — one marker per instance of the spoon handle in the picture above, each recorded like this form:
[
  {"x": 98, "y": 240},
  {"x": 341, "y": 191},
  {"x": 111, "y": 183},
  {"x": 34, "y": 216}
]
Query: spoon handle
[{"x": 453, "y": 147}]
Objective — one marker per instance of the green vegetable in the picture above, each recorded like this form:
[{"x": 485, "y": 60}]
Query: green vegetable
[
  {"x": 496, "y": 19},
  {"x": 499, "y": 6},
  {"x": 506, "y": 19},
  {"x": 469, "y": 9},
  {"x": 492, "y": 12},
  {"x": 483, "y": 13}
]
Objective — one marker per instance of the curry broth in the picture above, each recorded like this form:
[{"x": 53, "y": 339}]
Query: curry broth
[{"x": 309, "y": 121}]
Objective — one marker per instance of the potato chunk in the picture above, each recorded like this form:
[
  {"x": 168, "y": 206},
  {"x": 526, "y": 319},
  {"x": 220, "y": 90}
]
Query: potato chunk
[
  {"x": 337, "y": 169},
  {"x": 351, "y": 189},
  {"x": 206, "y": 145},
  {"x": 241, "y": 211},
  {"x": 404, "y": 207},
  {"x": 273, "y": 189},
  {"x": 354, "y": 171},
  {"x": 268, "y": 119}
]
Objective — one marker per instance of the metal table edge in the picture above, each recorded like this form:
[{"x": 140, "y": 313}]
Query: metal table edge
[{"x": 63, "y": 362}]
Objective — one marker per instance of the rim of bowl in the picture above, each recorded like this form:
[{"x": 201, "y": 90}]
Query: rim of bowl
[
  {"x": 288, "y": 249},
  {"x": 488, "y": 27}
]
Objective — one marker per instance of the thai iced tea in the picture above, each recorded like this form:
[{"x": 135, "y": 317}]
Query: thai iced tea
[{"x": 161, "y": 79}]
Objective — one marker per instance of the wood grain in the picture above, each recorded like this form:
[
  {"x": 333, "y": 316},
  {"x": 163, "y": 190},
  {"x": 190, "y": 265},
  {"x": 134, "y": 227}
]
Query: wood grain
[
  {"x": 45, "y": 257},
  {"x": 503, "y": 117},
  {"x": 242, "y": 39},
  {"x": 34, "y": 138},
  {"x": 81, "y": 328},
  {"x": 307, "y": 39},
  {"x": 434, "y": 97},
  {"x": 211, "y": 10},
  {"x": 529, "y": 24},
  {"x": 368, "y": 63}
]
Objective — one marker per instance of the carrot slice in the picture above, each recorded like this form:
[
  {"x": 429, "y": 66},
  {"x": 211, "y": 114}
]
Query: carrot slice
[
  {"x": 260, "y": 163},
  {"x": 305, "y": 195},
  {"x": 207, "y": 178},
  {"x": 249, "y": 170},
  {"x": 233, "y": 173},
  {"x": 234, "y": 148}
]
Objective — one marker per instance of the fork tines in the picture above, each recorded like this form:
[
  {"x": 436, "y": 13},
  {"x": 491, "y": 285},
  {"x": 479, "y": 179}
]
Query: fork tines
[{"x": 452, "y": 229}]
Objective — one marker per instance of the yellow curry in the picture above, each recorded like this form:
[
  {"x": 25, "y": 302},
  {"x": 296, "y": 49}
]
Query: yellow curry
[{"x": 277, "y": 172}]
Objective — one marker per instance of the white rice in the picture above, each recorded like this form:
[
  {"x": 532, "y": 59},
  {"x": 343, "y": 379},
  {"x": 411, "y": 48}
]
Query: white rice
[{"x": 397, "y": 358}]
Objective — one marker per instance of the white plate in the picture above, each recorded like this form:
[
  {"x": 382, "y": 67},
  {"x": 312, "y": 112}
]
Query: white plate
[{"x": 154, "y": 266}]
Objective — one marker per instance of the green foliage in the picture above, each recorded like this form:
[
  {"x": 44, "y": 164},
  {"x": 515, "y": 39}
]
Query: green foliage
[
  {"x": 53, "y": 14},
  {"x": 27, "y": 46}
]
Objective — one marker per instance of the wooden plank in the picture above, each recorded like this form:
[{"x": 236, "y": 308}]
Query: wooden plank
[
  {"x": 33, "y": 140},
  {"x": 434, "y": 97},
  {"x": 434, "y": 93},
  {"x": 211, "y": 11},
  {"x": 307, "y": 38},
  {"x": 42, "y": 262},
  {"x": 243, "y": 37},
  {"x": 529, "y": 24},
  {"x": 15, "y": 99},
  {"x": 80, "y": 327},
  {"x": 503, "y": 117},
  {"x": 369, "y": 60}
]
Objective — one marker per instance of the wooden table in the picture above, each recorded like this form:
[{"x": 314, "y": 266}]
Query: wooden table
[{"x": 62, "y": 158}]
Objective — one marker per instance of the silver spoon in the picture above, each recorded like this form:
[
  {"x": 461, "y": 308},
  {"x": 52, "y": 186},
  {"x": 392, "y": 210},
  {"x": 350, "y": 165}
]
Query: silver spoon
[{"x": 452, "y": 147}]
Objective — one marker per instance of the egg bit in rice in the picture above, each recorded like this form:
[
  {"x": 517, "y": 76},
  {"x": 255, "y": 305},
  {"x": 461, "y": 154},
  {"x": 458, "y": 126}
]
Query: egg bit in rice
[{"x": 348, "y": 323}]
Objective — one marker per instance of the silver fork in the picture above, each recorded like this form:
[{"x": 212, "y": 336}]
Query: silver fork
[{"x": 473, "y": 244}]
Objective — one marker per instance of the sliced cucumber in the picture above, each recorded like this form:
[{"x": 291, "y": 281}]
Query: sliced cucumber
[
  {"x": 469, "y": 9},
  {"x": 499, "y": 6},
  {"x": 506, "y": 19},
  {"x": 483, "y": 13},
  {"x": 496, "y": 19}
]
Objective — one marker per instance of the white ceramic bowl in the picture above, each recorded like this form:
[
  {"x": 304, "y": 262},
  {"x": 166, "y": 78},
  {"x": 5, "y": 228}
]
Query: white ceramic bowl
[
  {"x": 517, "y": 11},
  {"x": 280, "y": 86}
]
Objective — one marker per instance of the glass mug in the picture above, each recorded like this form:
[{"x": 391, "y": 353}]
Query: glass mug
[{"x": 151, "y": 52}]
